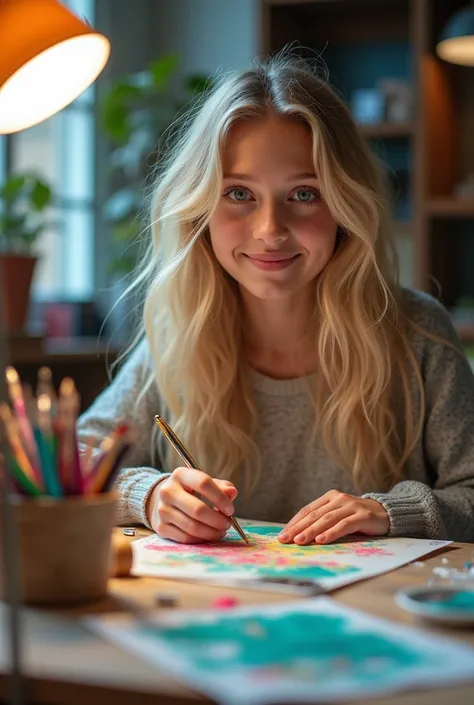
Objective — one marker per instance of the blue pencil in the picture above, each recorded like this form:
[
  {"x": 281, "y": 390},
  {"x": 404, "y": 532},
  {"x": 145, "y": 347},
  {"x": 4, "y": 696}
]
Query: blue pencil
[
  {"x": 46, "y": 442},
  {"x": 47, "y": 454}
]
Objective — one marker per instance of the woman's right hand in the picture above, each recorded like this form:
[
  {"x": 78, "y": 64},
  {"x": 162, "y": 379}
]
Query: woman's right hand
[{"x": 175, "y": 513}]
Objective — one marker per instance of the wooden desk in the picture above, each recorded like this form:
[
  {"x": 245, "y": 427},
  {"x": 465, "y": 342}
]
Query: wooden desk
[{"x": 67, "y": 665}]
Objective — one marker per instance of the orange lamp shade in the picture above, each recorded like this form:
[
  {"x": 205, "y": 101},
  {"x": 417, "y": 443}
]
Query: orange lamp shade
[{"x": 48, "y": 57}]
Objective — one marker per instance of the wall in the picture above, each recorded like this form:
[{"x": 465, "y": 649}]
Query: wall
[{"x": 208, "y": 34}]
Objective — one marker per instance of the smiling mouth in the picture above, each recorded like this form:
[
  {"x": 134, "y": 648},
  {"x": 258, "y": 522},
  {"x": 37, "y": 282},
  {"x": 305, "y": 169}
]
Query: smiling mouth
[
  {"x": 273, "y": 262},
  {"x": 269, "y": 258}
]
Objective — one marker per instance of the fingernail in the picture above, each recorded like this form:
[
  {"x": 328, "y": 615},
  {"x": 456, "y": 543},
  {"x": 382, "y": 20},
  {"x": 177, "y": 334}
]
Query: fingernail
[
  {"x": 229, "y": 510},
  {"x": 284, "y": 536},
  {"x": 320, "y": 538},
  {"x": 299, "y": 538}
]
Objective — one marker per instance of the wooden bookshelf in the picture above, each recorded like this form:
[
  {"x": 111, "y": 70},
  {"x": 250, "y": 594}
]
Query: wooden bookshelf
[
  {"x": 387, "y": 130},
  {"x": 439, "y": 138},
  {"x": 451, "y": 207}
]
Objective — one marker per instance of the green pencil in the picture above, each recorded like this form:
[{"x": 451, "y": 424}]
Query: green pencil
[
  {"x": 23, "y": 481},
  {"x": 47, "y": 453}
]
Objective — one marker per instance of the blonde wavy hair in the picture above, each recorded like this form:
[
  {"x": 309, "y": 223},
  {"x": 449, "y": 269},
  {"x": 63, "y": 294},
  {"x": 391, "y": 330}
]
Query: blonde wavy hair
[{"x": 192, "y": 317}]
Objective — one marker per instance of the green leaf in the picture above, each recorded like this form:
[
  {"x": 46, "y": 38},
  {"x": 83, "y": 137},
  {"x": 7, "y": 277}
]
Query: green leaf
[
  {"x": 12, "y": 223},
  {"x": 40, "y": 196},
  {"x": 13, "y": 188},
  {"x": 162, "y": 70},
  {"x": 116, "y": 122}
]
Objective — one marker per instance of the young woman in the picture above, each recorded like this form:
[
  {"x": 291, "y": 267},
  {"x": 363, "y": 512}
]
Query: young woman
[{"x": 277, "y": 342}]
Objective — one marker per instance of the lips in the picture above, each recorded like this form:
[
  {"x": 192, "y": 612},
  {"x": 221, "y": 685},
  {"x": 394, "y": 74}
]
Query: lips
[
  {"x": 272, "y": 261},
  {"x": 272, "y": 257}
]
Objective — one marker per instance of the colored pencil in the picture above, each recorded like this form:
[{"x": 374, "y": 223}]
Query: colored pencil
[
  {"x": 47, "y": 447},
  {"x": 69, "y": 460},
  {"x": 26, "y": 432},
  {"x": 106, "y": 462},
  {"x": 43, "y": 456},
  {"x": 21, "y": 479},
  {"x": 16, "y": 445}
]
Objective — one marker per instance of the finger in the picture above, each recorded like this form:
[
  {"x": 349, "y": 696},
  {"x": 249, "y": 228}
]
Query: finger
[
  {"x": 172, "y": 533},
  {"x": 323, "y": 524},
  {"x": 229, "y": 489},
  {"x": 349, "y": 525},
  {"x": 303, "y": 513},
  {"x": 198, "y": 510},
  {"x": 198, "y": 481},
  {"x": 314, "y": 515},
  {"x": 193, "y": 528}
]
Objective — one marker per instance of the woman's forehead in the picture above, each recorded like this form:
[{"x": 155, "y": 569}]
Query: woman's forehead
[{"x": 277, "y": 142}]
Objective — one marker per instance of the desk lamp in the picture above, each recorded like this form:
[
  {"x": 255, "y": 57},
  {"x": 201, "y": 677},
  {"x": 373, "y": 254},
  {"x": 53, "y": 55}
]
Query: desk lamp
[
  {"x": 48, "y": 57},
  {"x": 456, "y": 44}
]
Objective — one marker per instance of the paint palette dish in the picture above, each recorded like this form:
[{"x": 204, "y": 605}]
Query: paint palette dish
[
  {"x": 447, "y": 605},
  {"x": 312, "y": 651}
]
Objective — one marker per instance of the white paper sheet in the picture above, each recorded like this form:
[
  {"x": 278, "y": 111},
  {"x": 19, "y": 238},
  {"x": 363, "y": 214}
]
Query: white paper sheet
[
  {"x": 266, "y": 559},
  {"x": 314, "y": 650}
]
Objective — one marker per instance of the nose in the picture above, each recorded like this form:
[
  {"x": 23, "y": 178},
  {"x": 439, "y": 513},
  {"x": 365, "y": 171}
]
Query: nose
[{"x": 269, "y": 224}]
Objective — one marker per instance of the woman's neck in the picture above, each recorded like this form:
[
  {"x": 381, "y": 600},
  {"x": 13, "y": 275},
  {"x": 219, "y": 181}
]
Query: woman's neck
[{"x": 280, "y": 338}]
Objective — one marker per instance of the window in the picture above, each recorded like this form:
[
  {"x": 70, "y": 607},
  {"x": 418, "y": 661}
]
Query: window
[{"x": 62, "y": 150}]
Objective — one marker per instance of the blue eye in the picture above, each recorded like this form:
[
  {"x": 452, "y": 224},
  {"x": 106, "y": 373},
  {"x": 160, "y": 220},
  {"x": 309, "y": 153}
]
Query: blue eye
[
  {"x": 306, "y": 195},
  {"x": 238, "y": 193}
]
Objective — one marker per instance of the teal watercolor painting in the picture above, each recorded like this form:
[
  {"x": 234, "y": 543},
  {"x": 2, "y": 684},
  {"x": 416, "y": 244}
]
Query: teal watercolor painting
[
  {"x": 266, "y": 558},
  {"x": 314, "y": 650}
]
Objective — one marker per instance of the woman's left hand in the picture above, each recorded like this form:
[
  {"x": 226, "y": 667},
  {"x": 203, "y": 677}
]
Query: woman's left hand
[{"x": 334, "y": 515}]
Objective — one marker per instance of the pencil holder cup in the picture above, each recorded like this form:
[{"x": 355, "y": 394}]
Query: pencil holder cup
[{"x": 63, "y": 548}]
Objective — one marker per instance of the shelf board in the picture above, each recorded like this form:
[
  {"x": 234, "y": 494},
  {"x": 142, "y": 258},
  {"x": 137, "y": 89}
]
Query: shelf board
[
  {"x": 385, "y": 130},
  {"x": 465, "y": 333},
  {"x": 451, "y": 207}
]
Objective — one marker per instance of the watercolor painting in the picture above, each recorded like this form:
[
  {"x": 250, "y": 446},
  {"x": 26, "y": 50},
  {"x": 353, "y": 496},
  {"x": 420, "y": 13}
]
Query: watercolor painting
[
  {"x": 328, "y": 566},
  {"x": 315, "y": 650}
]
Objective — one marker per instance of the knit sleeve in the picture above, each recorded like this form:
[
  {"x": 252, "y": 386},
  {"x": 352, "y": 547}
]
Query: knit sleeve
[
  {"x": 126, "y": 401},
  {"x": 445, "y": 509}
]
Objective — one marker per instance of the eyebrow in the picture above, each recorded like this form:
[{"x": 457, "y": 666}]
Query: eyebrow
[{"x": 293, "y": 177}]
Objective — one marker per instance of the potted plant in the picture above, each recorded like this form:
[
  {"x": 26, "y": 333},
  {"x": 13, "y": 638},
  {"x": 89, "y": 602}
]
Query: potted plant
[
  {"x": 135, "y": 112},
  {"x": 23, "y": 200}
]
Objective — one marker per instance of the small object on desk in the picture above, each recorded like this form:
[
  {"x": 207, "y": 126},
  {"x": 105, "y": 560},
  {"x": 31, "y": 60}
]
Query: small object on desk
[
  {"x": 122, "y": 556},
  {"x": 224, "y": 602},
  {"x": 444, "y": 560},
  {"x": 418, "y": 564},
  {"x": 448, "y": 605},
  {"x": 442, "y": 572},
  {"x": 128, "y": 531},
  {"x": 190, "y": 462},
  {"x": 166, "y": 599}
]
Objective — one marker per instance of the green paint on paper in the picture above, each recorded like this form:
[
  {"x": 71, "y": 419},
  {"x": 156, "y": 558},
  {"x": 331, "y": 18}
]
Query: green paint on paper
[{"x": 300, "y": 645}]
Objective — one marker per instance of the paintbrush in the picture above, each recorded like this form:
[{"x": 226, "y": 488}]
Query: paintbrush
[{"x": 191, "y": 463}]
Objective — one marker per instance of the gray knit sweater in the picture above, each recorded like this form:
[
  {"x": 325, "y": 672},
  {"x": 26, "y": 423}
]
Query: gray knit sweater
[{"x": 434, "y": 500}]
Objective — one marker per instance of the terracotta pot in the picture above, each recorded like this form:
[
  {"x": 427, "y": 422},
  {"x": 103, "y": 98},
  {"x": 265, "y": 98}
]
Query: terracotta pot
[{"x": 16, "y": 274}]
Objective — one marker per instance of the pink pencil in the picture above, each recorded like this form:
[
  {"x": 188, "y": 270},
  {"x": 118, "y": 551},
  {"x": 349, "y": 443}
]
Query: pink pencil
[{"x": 69, "y": 460}]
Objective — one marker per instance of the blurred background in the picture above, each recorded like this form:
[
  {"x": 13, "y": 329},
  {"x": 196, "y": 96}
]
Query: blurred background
[{"x": 72, "y": 188}]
